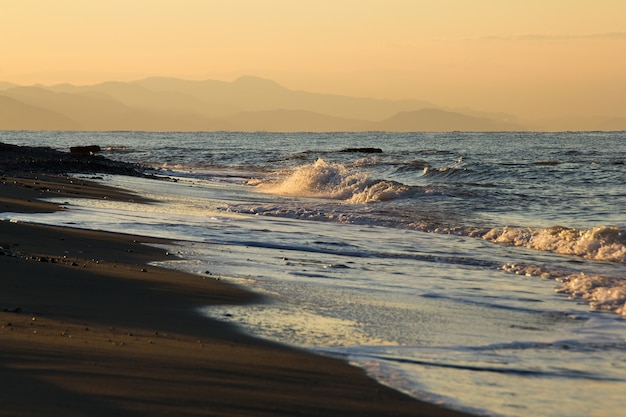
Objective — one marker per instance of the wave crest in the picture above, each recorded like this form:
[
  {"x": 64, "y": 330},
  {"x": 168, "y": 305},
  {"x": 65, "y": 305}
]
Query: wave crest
[
  {"x": 603, "y": 243},
  {"x": 331, "y": 180}
]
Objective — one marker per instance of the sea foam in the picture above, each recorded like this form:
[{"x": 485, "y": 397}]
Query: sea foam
[
  {"x": 602, "y": 243},
  {"x": 333, "y": 181},
  {"x": 602, "y": 292}
]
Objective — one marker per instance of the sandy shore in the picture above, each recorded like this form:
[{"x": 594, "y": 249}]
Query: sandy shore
[{"x": 88, "y": 329}]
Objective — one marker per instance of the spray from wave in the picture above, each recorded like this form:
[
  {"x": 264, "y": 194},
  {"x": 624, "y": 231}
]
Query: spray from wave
[{"x": 333, "y": 181}]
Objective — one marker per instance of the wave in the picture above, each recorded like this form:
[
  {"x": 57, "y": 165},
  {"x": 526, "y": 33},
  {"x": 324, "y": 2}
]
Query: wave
[
  {"x": 333, "y": 181},
  {"x": 602, "y": 243},
  {"x": 118, "y": 149},
  {"x": 602, "y": 292},
  {"x": 445, "y": 172}
]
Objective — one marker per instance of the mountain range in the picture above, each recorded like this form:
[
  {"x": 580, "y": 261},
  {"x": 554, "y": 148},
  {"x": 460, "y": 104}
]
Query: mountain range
[{"x": 245, "y": 104}]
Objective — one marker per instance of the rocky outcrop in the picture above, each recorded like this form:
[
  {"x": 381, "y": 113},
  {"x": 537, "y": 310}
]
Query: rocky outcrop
[
  {"x": 20, "y": 160},
  {"x": 85, "y": 150},
  {"x": 362, "y": 150}
]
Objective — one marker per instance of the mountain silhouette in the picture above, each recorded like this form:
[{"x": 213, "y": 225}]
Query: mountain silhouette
[
  {"x": 94, "y": 110},
  {"x": 5, "y": 86},
  {"x": 257, "y": 94},
  {"x": 137, "y": 96},
  {"x": 435, "y": 120},
  {"x": 283, "y": 120},
  {"x": 15, "y": 115},
  {"x": 245, "y": 104}
]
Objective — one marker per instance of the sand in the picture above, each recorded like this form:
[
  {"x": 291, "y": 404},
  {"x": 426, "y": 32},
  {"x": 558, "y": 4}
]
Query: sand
[{"x": 87, "y": 328}]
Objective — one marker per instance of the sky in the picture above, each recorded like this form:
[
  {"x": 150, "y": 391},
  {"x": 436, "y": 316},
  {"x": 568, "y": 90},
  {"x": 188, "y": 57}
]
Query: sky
[{"x": 531, "y": 58}]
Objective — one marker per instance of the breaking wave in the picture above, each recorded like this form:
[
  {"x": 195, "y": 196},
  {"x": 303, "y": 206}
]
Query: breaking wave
[
  {"x": 602, "y": 243},
  {"x": 333, "y": 181}
]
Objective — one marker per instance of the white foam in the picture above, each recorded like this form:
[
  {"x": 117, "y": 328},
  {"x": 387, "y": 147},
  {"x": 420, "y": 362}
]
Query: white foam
[
  {"x": 603, "y": 243},
  {"x": 602, "y": 292},
  {"x": 334, "y": 181}
]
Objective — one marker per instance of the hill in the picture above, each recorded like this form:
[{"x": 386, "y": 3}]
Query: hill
[
  {"x": 5, "y": 86},
  {"x": 282, "y": 120},
  {"x": 245, "y": 104},
  {"x": 15, "y": 115},
  {"x": 435, "y": 120},
  {"x": 94, "y": 111}
]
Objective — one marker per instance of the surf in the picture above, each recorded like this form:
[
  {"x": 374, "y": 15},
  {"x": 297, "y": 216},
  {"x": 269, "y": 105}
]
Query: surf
[{"x": 332, "y": 181}]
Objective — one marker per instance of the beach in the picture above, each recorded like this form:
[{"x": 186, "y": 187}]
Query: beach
[{"x": 89, "y": 329}]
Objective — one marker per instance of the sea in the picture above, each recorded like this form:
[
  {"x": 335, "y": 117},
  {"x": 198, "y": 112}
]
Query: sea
[{"x": 485, "y": 272}]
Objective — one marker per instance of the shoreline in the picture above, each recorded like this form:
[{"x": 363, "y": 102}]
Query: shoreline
[{"x": 89, "y": 329}]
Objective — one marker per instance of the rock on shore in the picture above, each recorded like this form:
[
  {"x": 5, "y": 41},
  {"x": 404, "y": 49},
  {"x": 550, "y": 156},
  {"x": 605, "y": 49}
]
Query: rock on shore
[{"x": 22, "y": 160}]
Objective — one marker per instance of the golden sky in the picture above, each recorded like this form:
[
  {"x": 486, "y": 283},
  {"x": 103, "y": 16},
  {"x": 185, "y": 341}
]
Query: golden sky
[{"x": 533, "y": 58}]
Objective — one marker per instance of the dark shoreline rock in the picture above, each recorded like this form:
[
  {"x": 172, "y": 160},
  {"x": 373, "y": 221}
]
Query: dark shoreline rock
[
  {"x": 86, "y": 150},
  {"x": 362, "y": 150},
  {"x": 23, "y": 160}
]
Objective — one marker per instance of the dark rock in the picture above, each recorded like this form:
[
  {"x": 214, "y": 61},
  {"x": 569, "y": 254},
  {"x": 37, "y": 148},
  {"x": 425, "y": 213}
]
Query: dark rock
[
  {"x": 85, "y": 150},
  {"x": 362, "y": 150},
  {"x": 21, "y": 160}
]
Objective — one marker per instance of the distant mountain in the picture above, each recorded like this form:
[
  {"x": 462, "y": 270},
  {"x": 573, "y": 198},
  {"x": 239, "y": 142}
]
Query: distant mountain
[
  {"x": 92, "y": 111},
  {"x": 258, "y": 94},
  {"x": 425, "y": 120},
  {"x": 5, "y": 86},
  {"x": 435, "y": 120},
  {"x": 294, "y": 121},
  {"x": 87, "y": 112},
  {"x": 246, "y": 104},
  {"x": 137, "y": 96},
  {"x": 15, "y": 115},
  {"x": 498, "y": 117}
]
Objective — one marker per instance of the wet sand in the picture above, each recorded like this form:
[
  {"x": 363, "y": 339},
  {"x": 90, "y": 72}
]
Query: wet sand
[{"x": 87, "y": 328}]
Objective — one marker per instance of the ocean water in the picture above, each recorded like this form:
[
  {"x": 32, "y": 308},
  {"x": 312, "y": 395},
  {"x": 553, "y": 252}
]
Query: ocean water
[{"x": 482, "y": 271}]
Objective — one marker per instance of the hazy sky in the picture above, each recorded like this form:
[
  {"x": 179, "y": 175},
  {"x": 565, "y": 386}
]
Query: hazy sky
[{"x": 529, "y": 57}]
